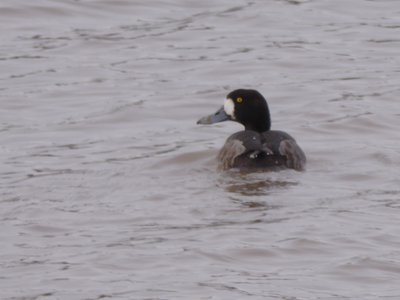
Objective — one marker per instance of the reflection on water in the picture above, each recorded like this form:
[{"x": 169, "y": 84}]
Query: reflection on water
[{"x": 251, "y": 184}]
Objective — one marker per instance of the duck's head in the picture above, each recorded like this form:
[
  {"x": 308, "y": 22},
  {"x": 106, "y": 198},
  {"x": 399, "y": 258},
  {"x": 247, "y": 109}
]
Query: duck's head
[{"x": 247, "y": 107}]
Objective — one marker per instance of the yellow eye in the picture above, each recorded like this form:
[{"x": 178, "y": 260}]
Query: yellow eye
[{"x": 239, "y": 99}]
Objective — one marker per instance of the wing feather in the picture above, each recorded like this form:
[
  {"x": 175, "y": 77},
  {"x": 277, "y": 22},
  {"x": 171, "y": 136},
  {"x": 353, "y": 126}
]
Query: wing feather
[
  {"x": 232, "y": 149},
  {"x": 295, "y": 157}
]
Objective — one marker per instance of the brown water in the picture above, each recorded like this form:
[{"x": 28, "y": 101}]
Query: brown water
[{"x": 109, "y": 188}]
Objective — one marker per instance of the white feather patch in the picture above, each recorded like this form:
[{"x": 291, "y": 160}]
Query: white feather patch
[{"x": 229, "y": 108}]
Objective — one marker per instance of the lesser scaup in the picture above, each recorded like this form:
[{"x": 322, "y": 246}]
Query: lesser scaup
[{"x": 257, "y": 147}]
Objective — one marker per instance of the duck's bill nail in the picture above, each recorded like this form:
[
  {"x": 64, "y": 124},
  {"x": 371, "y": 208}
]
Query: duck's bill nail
[{"x": 219, "y": 116}]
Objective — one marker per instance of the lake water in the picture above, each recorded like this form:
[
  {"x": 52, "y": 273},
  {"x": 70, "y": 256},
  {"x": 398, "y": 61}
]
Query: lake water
[{"x": 109, "y": 189}]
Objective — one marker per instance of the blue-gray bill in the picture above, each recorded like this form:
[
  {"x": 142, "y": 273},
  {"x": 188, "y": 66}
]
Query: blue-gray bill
[{"x": 219, "y": 116}]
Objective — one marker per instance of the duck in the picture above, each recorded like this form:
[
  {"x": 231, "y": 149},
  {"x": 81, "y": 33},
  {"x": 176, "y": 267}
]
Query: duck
[{"x": 257, "y": 147}]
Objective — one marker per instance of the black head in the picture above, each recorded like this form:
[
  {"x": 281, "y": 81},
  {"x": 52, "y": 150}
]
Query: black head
[{"x": 247, "y": 107}]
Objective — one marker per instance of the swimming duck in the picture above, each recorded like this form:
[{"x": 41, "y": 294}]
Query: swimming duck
[{"x": 256, "y": 147}]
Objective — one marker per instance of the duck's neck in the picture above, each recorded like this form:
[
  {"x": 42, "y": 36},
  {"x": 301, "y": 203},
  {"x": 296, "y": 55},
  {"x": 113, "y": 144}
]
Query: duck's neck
[
  {"x": 264, "y": 124},
  {"x": 258, "y": 128}
]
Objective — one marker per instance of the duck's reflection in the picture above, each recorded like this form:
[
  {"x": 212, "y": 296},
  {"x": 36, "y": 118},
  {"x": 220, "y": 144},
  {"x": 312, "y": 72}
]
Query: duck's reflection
[{"x": 252, "y": 184}]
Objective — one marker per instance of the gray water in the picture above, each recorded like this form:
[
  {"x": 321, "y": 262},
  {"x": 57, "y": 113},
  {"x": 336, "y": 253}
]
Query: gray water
[{"x": 109, "y": 189}]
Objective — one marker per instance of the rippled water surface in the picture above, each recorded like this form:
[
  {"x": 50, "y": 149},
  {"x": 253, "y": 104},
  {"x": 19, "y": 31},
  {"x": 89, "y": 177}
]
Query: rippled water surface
[{"x": 109, "y": 189}]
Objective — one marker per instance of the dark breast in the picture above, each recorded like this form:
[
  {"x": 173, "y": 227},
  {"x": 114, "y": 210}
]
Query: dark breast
[
  {"x": 267, "y": 150},
  {"x": 262, "y": 161}
]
